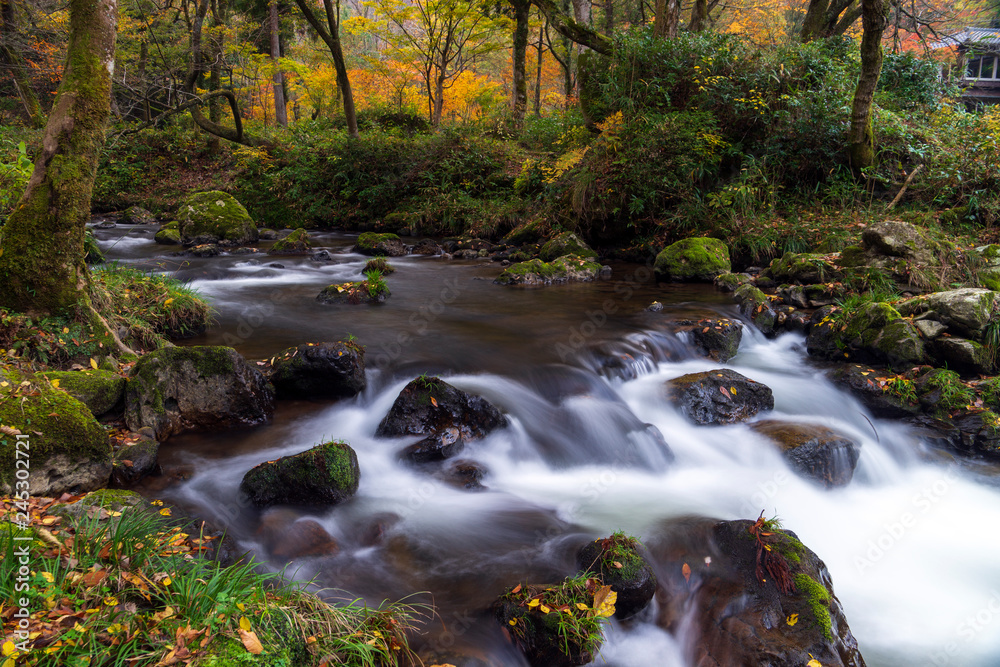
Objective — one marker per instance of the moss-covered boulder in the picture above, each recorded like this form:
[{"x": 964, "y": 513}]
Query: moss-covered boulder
[
  {"x": 758, "y": 308},
  {"x": 135, "y": 457},
  {"x": 875, "y": 332},
  {"x": 965, "y": 311},
  {"x": 619, "y": 563},
  {"x": 169, "y": 234},
  {"x": 136, "y": 215},
  {"x": 720, "y": 396},
  {"x": 880, "y": 394},
  {"x": 355, "y": 292},
  {"x": 561, "y": 270},
  {"x": 319, "y": 370},
  {"x": 429, "y": 405},
  {"x": 387, "y": 245},
  {"x": 215, "y": 217},
  {"x": 763, "y": 598},
  {"x": 730, "y": 282},
  {"x": 693, "y": 260},
  {"x": 563, "y": 244},
  {"x": 816, "y": 452},
  {"x": 177, "y": 389},
  {"x": 802, "y": 268},
  {"x": 101, "y": 391},
  {"x": 93, "y": 255},
  {"x": 715, "y": 338},
  {"x": 67, "y": 449},
  {"x": 323, "y": 476},
  {"x": 296, "y": 243}
]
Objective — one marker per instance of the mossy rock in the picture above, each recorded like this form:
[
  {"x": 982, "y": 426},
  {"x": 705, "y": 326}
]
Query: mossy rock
[
  {"x": 93, "y": 251},
  {"x": 168, "y": 234},
  {"x": 693, "y": 260},
  {"x": 313, "y": 370},
  {"x": 566, "y": 243},
  {"x": 561, "y": 270},
  {"x": 323, "y": 476},
  {"x": 354, "y": 293},
  {"x": 619, "y": 563},
  {"x": 68, "y": 450},
  {"x": 387, "y": 245},
  {"x": 101, "y": 391},
  {"x": 730, "y": 282},
  {"x": 215, "y": 217},
  {"x": 756, "y": 306},
  {"x": 176, "y": 389},
  {"x": 876, "y": 332},
  {"x": 527, "y": 232},
  {"x": 296, "y": 243},
  {"x": 137, "y": 215},
  {"x": 802, "y": 268},
  {"x": 967, "y": 311}
]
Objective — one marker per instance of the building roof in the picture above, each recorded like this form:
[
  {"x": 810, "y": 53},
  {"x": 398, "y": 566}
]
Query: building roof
[{"x": 988, "y": 37}]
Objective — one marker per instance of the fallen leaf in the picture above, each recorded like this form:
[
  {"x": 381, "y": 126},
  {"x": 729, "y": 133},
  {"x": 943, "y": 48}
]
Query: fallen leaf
[
  {"x": 792, "y": 620},
  {"x": 814, "y": 663},
  {"x": 617, "y": 565},
  {"x": 55, "y": 383},
  {"x": 245, "y": 624},
  {"x": 93, "y": 363},
  {"x": 604, "y": 601},
  {"x": 686, "y": 571},
  {"x": 250, "y": 642},
  {"x": 434, "y": 402},
  {"x": 517, "y": 589}
]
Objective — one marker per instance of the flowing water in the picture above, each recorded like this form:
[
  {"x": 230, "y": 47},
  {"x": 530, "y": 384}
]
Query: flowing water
[{"x": 912, "y": 543}]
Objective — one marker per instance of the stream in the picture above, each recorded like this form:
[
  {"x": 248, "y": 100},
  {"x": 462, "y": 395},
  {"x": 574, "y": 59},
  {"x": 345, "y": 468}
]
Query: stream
[{"x": 912, "y": 543}]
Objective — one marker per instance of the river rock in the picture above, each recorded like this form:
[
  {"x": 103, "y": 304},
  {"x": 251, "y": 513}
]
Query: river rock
[
  {"x": 464, "y": 474},
  {"x": 177, "y": 389},
  {"x": 205, "y": 250},
  {"x": 136, "y": 215},
  {"x": 814, "y": 451},
  {"x": 566, "y": 269},
  {"x": 730, "y": 282},
  {"x": 168, "y": 234},
  {"x": 429, "y": 405},
  {"x": 874, "y": 333},
  {"x": 872, "y": 389},
  {"x": 354, "y": 293},
  {"x": 426, "y": 247},
  {"x": 894, "y": 238},
  {"x": 693, "y": 259},
  {"x": 966, "y": 311},
  {"x": 67, "y": 449},
  {"x": 323, "y": 476},
  {"x": 720, "y": 396},
  {"x": 288, "y": 536},
  {"x": 564, "y": 244},
  {"x": 435, "y": 447},
  {"x": 320, "y": 370},
  {"x": 101, "y": 391},
  {"x": 757, "y": 307},
  {"x": 963, "y": 355},
  {"x": 387, "y": 245},
  {"x": 802, "y": 269},
  {"x": 135, "y": 459},
  {"x": 217, "y": 218},
  {"x": 711, "y": 593},
  {"x": 618, "y": 561},
  {"x": 718, "y": 339},
  {"x": 296, "y": 243}
]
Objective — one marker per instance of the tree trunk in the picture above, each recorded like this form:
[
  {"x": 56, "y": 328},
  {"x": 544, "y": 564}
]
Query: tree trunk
[
  {"x": 609, "y": 17},
  {"x": 861, "y": 142},
  {"x": 438, "y": 100},
  {"x": 572, "y": 29},
  {"x": 330, "y": 34},
  {"x": 538, "y": 73},
  {"x": 699, "y": 16},
  {"x": 668, "y": 16},
  {"x": 827, "y": 18},
  {"x": 16, "y": 67},
  {"x": 522, "y": 10},
  {"x": 42, "y": 270},
  {"x": 278, "y": 82}
]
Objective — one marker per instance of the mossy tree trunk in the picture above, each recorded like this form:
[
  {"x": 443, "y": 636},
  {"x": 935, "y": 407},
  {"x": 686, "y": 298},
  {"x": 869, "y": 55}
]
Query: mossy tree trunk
[
  {"x": 827, "y": 18},
  {"x": 42, "y": 270},
  {"x": 13, "y": 62},
  {"x": 330, "y": 34},
  {"x": 861, "y": 142},
  {"x": 522, "y": 10},
  {"x": 699, "y": 16},
  {"x": 572, "y": 29}
]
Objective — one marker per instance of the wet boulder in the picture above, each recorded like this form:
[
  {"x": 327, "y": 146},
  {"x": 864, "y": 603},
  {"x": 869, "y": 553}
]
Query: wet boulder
[
  {"x": 429, "y": 405},
  {"x": 67, "y": 448},
  {"x": 464, "y": 474},
  {"x": 178, "y": 389},
  {"x": 135, "y": 457},
  {"x": 618, "y": 562},
  {"x": 757, "y": 307},
  {"x": 356, "y": 292},
  {"x": 319, "y": 370},
  {"x": 323, "y": 476},
  {"x": 215, "y": 218},
  {"x": 738, "y": 603},
  {"x": 435, "y": 447},
  {"x": 136, "y": 215},
  {"x": 802, "y": 269},
  {"x": 963, "y": 355},
  {"x": 693, "y": 260},
  {"x": 715, "y": 338},
  {"x": 205, "y": 250},
  {"x": 730, "y": 282},
  {"x": 531, "y": 617},
  {"x": 564, "y": 244},
  {"x": 426, "y": 247},
  {"x": 286, "y": 535},
  {"x": 567, "y": 269},
  {"x": 815, "y": 452},
  {"x": 387, "y": 245},
  {"x": 101, "y": 391},
  {"x": 168, "y": 234},
  {"x": 966, "y": 311},
  {"x": 874, "y": 390},
  {"x": 296, "y": 243},
  {"x": 720, "y": 396},
  {"x": 873, "y": 333}
]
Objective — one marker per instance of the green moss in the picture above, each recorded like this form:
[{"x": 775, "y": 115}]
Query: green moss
[
  {"x": 369, "y": 240},
  {"x": 326, "y": 474},
  {"x": 852, "y": 256},
  {"x": 818, "y": 599},
  {"x": 168, "y": 235},
  {"x": 217, "y": 215},
  {"x": 566, "y": 243},
  {"x": 802, "y": 268},
  {"x": 99, "y": 390},
  {"x": 535, "y": 271},
  {"x": 379, "y": 264},
  {"x": 699, "y": 259},
  {"x": 296, "y": 242},
  {"x": 731, "y": 282}
]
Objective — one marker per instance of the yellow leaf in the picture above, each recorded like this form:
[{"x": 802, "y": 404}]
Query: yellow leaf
[
  {"x": 47, "y": 576},
  {"x": 533, "y": 603},
  {"x": 733, "y": 389},
  {"x": 165, "y": 511},
  {"x": 792, "y": 620},
  {"x": 544, "y": 609},
  {"x": 245, "y": 624},
  {"x": 241, "y": 606},
  {"x": 168, "y": 302},
  {"x": 111, "y": 601},
  {"x": 113, "y": 513},
  {"x": 9, "y": 648},
  {"x": 158, "y": 503},
  {"x": 166, "y": 582},
  {"x": 513, "y": 621},
  {"x": 434, "y": 402},
  {"x": 581, "y": 606},
  {"x": 65, "y": 329},
  {"x": 814, "y": 663},
  {"x": 250, "y": 642},
  {"x": 93, "y": 363},
  {"x": 604, "y": 601},
  {"x": 55, "y": 383}
]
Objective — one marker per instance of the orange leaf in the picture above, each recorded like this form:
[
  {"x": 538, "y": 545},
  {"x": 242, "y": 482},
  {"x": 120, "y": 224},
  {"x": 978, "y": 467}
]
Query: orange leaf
[
  {"x": 250, "y": 641},
  {"x": 686, "y": 571},
  {"x": 434, "y": 402}
]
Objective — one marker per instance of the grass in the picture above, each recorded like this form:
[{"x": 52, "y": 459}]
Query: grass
[
  {"x": 379, "y": 265},
  {"x": 375, "y": 284},
  {"x": 131, "y": 587},
  {"x": 620, "y": 552},
  {"x": 954, "y": 394}
]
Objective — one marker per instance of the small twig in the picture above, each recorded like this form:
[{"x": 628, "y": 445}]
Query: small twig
[{"x": 906, "y": 184}]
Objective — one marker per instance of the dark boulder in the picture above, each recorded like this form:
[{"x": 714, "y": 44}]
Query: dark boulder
[
  {"x": 720, "y": 396},
  {"x": 874, "y": 389},
  {"x": 323, "y": 476},
  {"x": 814, "y": 451},
  {"x": 757, "y": 307},
  {"x": 435, "y": 447},
  {"x": 619, "y": 563},
  {"x": 134, "y": 459},
  {"x": 388, "y": 245},
  {"x": 429, "y": 405},
  {"x": 731, "y": 613},
  {"x": 287, "y": 536},
  {"x": 718, "y": 339},
  {"x": 320, "y": 370},
  {"x": 426, "y": 247},
  {"x": 176, "y": 389},
  {"x": 464, "y": 474}
]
